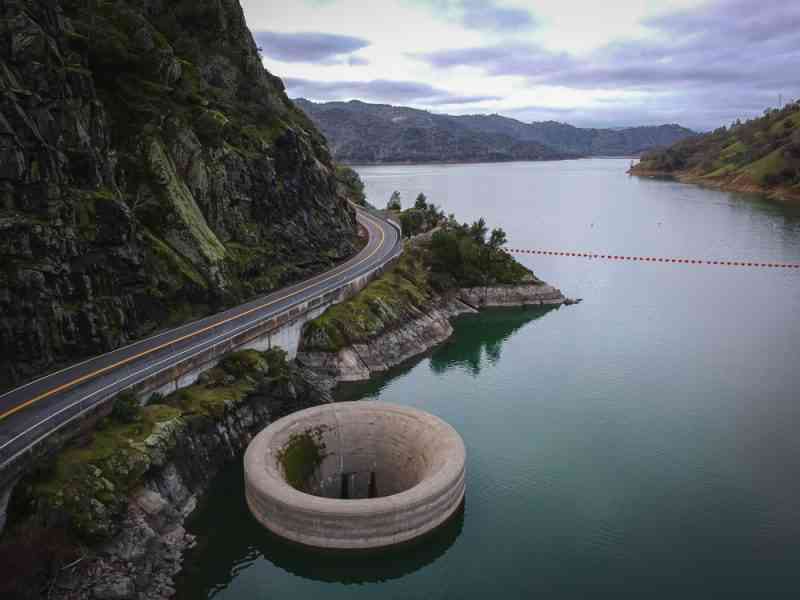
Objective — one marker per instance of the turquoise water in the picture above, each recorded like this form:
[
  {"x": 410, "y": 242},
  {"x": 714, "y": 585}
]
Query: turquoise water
[{"x": 641, "y": 444}]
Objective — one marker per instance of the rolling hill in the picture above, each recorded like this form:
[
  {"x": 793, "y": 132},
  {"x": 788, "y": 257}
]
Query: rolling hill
[
  {"x": 362, "y": 132},
  {"x": 760, "y": 155}
]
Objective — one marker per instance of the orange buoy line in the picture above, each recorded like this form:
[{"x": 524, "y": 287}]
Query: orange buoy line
[{"x": 684, "y": 261}]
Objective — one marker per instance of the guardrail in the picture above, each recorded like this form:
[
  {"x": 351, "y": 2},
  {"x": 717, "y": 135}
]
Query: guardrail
[{"x": 131, "y": 375}]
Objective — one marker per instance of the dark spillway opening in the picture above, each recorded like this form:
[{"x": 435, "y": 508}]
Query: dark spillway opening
[
  {"x": 352, "y": 486},
  {"x": 360, "y": 459}
]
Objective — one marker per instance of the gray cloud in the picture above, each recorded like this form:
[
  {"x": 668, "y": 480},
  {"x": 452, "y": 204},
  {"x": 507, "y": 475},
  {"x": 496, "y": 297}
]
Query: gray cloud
[
  {"x": 502, "y": 59},
  {"x": 483, "y": 15},
  {"x": 486, "y": 15},
  {"x": 310, "y": 46},
  {"x": 378, "y": 90},
  {"x": 707, "y": 66}
]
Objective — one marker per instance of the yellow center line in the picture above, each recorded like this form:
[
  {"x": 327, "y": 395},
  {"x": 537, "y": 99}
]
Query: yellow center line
[{"x": 130, "y": 359}]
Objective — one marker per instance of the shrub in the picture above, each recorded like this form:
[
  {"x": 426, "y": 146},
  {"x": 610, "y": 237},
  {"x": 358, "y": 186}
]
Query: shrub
[{"x": 125, "y": 408}]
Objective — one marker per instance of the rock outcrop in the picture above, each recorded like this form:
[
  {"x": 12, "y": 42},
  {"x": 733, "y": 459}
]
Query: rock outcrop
[
  {"x": 151, "y": 171},
  {"x": 127, "y": 499},
  {"x": 396, "y": 343}
]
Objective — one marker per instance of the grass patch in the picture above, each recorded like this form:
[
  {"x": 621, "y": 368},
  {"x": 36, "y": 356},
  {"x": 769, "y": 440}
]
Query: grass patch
[{"x": 772, "y": 164}]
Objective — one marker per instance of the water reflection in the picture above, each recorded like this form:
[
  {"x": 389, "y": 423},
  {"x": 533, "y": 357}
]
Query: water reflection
[
  {"x": 479, "y": 339},
  {"x": 224, "y": 552}
]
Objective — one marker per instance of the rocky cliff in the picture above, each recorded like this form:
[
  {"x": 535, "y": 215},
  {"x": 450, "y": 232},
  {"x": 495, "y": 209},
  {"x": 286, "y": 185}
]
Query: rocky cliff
[
  {"x": 123, "y": 492},
  {"x": 151, "y": 170},
  {"x": 395, "y": 342}
]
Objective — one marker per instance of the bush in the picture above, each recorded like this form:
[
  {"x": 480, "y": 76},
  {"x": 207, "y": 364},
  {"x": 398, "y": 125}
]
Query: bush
[
  {"x": 349, "y": 180},
  {"x": 125, "y": 408},
  {"x": 460, "y": 256},
  {"x": 394, "y": 202}
]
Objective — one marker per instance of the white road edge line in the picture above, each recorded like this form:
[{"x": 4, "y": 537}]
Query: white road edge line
[
  {"x": 160, "y": 334},
  {"x": 206, "y": 345}
]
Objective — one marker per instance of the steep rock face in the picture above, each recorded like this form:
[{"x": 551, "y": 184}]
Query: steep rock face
[{"x": 151, "y": 170}]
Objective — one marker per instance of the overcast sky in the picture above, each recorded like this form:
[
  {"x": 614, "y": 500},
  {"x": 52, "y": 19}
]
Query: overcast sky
[{"x": 700, "y": 63}]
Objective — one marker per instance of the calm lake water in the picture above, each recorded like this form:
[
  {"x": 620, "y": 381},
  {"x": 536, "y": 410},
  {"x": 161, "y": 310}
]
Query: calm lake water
[{"x": 643, "y": 444}]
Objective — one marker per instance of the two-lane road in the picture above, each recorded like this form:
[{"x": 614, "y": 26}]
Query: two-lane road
[{"x": 33, "y": 411}]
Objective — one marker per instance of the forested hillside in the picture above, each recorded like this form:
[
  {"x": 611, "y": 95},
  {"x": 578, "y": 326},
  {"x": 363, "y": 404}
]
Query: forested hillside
[
  {"x": 372, "y": 133},
  {"x": 761, "y": 155}
]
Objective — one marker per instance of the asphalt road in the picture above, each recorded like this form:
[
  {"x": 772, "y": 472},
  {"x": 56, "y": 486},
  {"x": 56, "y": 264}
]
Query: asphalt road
[{"x": 33, "y": 411}]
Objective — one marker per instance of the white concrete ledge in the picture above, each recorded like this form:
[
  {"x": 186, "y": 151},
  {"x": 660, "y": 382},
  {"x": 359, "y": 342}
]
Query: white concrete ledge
[{"x": 413, "y": 462}]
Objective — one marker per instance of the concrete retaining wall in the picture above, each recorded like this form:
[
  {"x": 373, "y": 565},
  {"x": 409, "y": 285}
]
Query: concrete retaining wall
[{"x": 414, "y": 461}]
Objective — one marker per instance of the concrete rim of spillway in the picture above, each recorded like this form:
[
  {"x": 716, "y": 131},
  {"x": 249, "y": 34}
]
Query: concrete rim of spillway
[{"x": 390, "y": 435}]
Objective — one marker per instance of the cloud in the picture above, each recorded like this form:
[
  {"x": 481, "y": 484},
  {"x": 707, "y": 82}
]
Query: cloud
[
  {"x": 501, "y": 59},
  {"x": 310, "y": 47},
  {"x": 378, "y": 90},
  {"x": 486, "y": 15},
  {"x": 456, "y": 100},
  {"x": 483, "y": 15},
  {"x": 721, "y": 57}
]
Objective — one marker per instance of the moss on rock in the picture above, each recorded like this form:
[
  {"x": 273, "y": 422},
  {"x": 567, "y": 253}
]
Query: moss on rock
[
  {"x": 301, "y": 456},
  {"x": 399, "y": 293},
  {"x": 88, "y": 484}
]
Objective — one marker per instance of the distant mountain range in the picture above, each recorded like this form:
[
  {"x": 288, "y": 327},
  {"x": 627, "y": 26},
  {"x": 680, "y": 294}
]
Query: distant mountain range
[{"x": 375, "y": 133}]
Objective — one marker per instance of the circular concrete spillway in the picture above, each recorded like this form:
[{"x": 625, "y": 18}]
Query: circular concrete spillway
[{"x": 355, "y": 475}]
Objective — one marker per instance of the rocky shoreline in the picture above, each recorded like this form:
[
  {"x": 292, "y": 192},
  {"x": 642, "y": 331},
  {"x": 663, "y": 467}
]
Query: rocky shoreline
[
  {"x": 184, "y": 453},
  {"x": 394, "y": 346},
  {"x": 780, "y": 194},
  {"x": 142, "y": 558}
]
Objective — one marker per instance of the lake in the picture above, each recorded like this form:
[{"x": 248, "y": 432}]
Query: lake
[{"x": 642, "y": 444}]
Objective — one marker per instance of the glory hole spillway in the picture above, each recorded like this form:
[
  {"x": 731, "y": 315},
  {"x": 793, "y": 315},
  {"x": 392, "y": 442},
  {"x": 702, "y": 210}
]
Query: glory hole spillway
[{"x": 355, "y": 475}]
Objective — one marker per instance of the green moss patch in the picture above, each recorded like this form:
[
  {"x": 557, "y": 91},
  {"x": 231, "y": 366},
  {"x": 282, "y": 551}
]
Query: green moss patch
[
  {"x": 401, "y": 291},
  {"x": 89, "y": 482},
  {"x": 301, "y": 456}
]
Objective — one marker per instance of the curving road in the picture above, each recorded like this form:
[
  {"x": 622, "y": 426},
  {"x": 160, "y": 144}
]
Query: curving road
[{"x": 30, "y": 413}]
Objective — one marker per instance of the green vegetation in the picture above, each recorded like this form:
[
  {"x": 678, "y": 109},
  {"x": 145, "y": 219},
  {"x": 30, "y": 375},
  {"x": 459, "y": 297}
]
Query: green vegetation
[
  {"x": 349, "y": 180},
  {"x": 461, "y": 256},
  {"x": 422, "y": 218},
  {"x": 458, "y": 255},
  {"x": 761, "y": 153},
  {"x": 301, "y": 456},
  {"x": 88, "y": 484},
  {"x": 395, "y": 202},
  {"x": 400, "y": 292}
]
